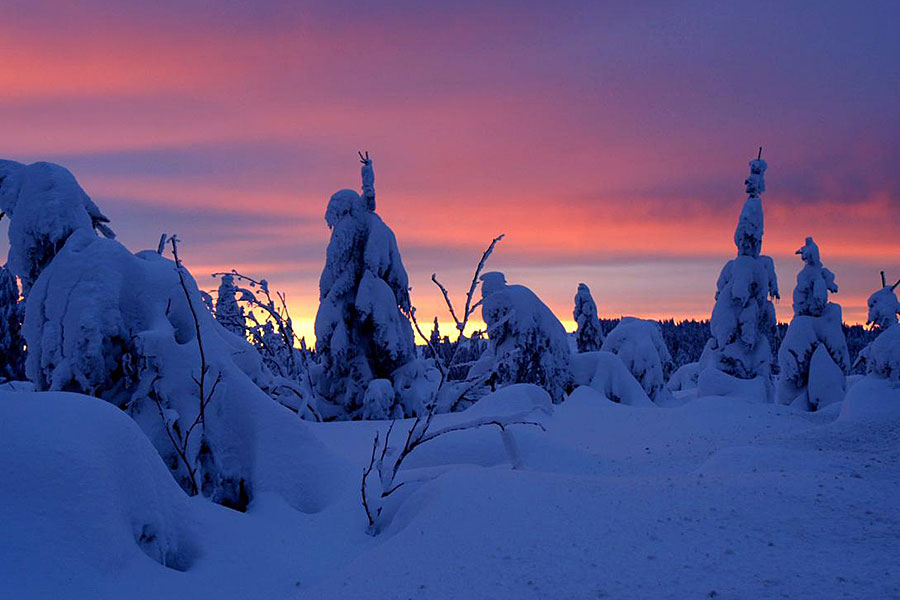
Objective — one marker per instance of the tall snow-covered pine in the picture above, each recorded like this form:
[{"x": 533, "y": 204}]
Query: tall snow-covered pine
[
  {"x": 744, "y": 316},
  {"x": 362, "y": 333}
]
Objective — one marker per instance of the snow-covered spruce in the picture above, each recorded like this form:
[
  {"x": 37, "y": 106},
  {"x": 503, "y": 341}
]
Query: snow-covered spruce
[
  {"x": 589, "y": 335},
  {"x": 12, "y": 345},
  {"x": 228, "y": 312},
  {"x": 45, "y": 206},
  {"x": 640, "y": 346},
  {"x": 743, "y": 316},
  {"x": 528, "y": 344},
  {"x": 882, "y": 356},
  {"x": 362, "y": 333},
  {"x": 813, "y": 356}
]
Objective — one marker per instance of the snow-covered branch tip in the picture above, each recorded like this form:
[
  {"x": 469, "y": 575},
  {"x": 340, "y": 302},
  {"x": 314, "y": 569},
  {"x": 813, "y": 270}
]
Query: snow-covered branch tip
[{"x": 417, "y": 435}]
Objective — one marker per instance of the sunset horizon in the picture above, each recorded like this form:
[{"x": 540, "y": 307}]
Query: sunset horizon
[{"x": 605, "y": 161}]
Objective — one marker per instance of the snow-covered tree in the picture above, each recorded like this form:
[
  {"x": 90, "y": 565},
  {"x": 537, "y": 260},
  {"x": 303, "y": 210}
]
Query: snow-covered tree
[
  {"x": 882, "y": 356},
  {"x": 362, "y": 332},
  {"x": 589, "y": 335},
  {"x": 813, "y": 355},
  {"x": 228, "y": 312},
  {"x": 12, "y": 345},
  {"x": 527, "y": 341},
  {"x": 45, "y": 205},
  {"x": 744, "y": 316},
  {"x": 640, "y": 346}
]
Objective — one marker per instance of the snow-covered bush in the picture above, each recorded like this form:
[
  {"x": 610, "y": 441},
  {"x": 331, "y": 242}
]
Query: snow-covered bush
[
  {"x": 588, "y": 336},
  {"x": 362, "y": 332},
  {"x": 12, "y": 345},
  {"x": 743, "y": 317},
  {"x": 528, "y": 344},
  {"x": 131, "y": 329},
  {"x": 813, "y": 355},
  {"x": 45, "y": 205},
  {"x": 640, "y": 346},
  {"x": 882, "y": 356},
  {"x": 266, "y": 323}
]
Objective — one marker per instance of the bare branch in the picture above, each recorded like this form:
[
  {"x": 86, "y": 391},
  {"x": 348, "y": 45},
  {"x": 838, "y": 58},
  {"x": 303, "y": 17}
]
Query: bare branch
[{"x": 459, "y": 324}]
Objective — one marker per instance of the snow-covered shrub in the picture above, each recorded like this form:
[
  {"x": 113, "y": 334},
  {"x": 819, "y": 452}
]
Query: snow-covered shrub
[
  {"x": 45, "y": 205},
  {"x": 105, "y": 322},
  {"x": 743, "y": 317},
  {"x": 588, "y": 336},
  {"x": 362, "y": 332},
  {"x": 640, "y": 346},
  {"x": 882, "y": 356},
  {"x": 527, "y": 341},
  {"x": 813, "y": 355},
  {"x": 12, "y": 345},
  {"x": 266, "y": 323},
  {"x": 228, "y": 312}
]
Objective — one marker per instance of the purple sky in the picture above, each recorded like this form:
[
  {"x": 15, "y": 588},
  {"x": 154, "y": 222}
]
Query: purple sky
[{"x": 609, "y": 144}]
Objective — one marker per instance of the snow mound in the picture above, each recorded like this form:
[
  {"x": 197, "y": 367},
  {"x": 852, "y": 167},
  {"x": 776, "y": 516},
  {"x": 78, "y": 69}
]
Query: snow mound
[
  {"x": 610, "y": 377},
  {"x": 871, "y": 398},
  {"x": 86, "y": 495}
]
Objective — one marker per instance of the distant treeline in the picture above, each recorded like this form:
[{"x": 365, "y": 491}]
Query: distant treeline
[{"x": 686, "y": 339}]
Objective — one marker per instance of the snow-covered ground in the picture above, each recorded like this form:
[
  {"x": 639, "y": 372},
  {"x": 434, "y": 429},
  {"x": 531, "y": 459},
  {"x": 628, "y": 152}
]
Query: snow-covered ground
[{"x": 716, "y": 498}]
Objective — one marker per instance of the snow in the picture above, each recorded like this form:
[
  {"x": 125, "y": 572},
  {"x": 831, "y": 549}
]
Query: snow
[{"x": 716, "y": 498}]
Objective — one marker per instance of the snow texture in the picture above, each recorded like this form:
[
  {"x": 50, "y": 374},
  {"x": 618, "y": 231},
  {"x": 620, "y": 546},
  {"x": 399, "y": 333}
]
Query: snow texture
[
  {"x": 640, "y": 346},
  {"x": 362, "y": 332},
  {"x": 45, "y": 206},
  {"x": 528, "y": 342},
  {"x": 589, "y": 335},
  {"x": 813, "y": 356},
  {"x": 744, "y": 317}
]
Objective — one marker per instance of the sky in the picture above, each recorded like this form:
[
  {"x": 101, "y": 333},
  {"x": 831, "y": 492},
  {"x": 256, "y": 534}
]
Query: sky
[{"x": 608, "y": 141}]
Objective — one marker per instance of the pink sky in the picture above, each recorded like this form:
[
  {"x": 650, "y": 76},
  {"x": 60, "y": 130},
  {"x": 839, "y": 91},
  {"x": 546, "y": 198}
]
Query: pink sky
[{"x": 610, "y": 145}]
